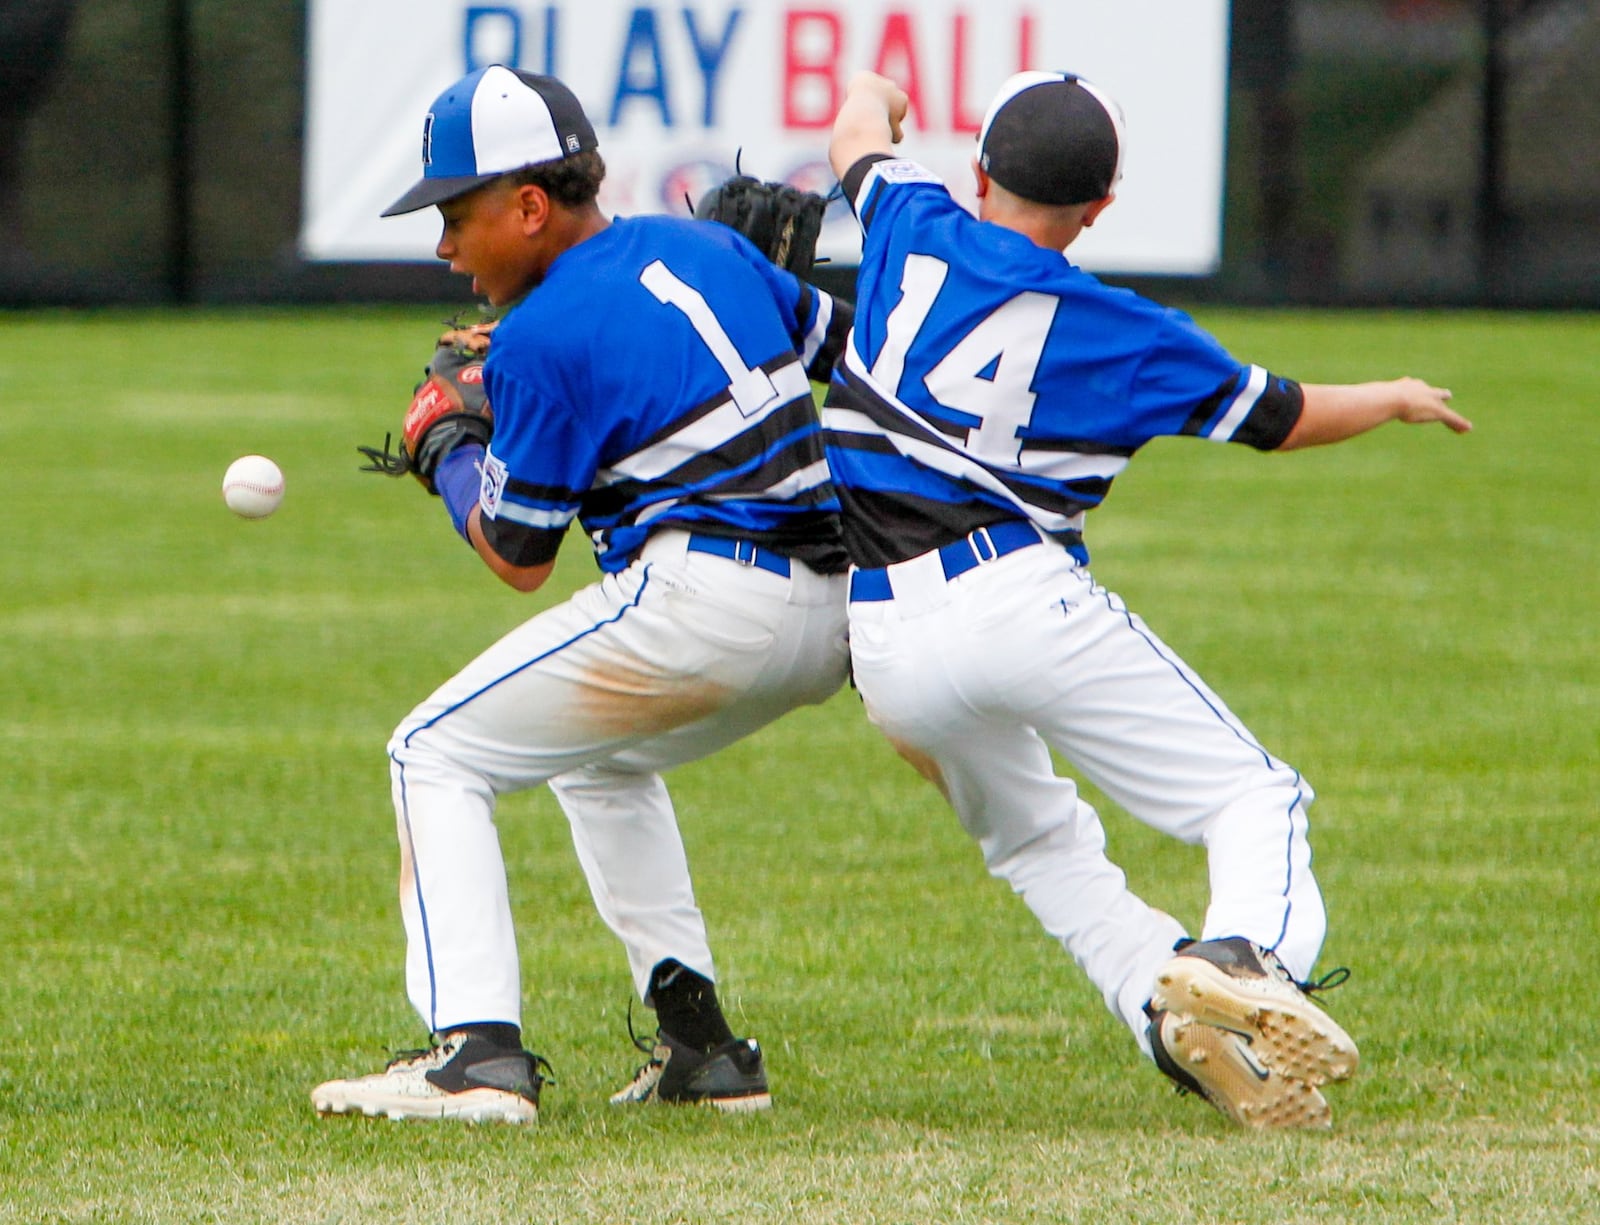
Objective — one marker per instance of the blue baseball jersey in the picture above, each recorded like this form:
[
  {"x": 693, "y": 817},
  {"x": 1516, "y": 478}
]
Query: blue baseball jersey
[
  {"x": 987, "y": 378},
  {"x": 658, "y": 378}
]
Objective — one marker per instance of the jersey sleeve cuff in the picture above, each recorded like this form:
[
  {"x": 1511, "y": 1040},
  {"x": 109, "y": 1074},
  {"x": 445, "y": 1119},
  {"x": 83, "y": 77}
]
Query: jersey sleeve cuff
[{"x": 857, "y": 175}]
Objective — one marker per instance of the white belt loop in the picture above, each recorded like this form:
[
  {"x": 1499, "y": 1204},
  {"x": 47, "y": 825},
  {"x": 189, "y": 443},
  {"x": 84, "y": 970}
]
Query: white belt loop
[
  {"x": 919, "y": 582},
  {"x": 982, "y": 545}
]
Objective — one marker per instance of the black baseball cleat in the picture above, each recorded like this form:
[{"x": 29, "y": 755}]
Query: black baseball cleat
[
  {"x": 1219, "y": 1066},
  {"x": 731, "y": 1077},
  {"x": 463, "y": 1077}
]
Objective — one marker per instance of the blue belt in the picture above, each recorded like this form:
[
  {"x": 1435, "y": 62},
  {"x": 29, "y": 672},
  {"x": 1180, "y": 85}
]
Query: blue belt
[
  {"x": 741, "y": 551},
  {"x": 980, "y": 546}
]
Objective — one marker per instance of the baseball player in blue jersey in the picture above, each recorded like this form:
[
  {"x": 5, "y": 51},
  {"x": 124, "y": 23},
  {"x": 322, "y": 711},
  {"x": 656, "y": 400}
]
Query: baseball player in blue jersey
[
  {"x": 990, "y": 394},
  {"x": 649, "y": 380}
]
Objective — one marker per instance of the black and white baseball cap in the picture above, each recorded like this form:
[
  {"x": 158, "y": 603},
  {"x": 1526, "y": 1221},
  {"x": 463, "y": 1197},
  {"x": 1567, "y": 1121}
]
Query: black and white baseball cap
[
  {"x": 1053, "y": 138},
  {"x": 489, "y": 123}
]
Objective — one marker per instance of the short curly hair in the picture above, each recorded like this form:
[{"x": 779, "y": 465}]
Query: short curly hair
[{"x": 573, "y": 181}]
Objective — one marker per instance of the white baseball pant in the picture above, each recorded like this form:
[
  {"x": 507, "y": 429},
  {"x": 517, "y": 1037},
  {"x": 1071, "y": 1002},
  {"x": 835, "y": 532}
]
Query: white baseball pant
[
  {"x": 663, "y": 663},
  {"x": 975, "y": 679}
]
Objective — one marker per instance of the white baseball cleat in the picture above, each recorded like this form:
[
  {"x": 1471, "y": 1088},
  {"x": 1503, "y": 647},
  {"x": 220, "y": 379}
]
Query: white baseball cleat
[
  {"x": 1235, "y": 985},
  {"x": 464, "y": 1077},
  {"x": 1220, "y": 1066}
]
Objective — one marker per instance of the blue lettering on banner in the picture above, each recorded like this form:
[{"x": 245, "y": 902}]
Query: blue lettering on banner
[
  {"x": 710, "y": 56},
  {"x": 492, "y": 34},
  {"x": 642, "y": 39}
]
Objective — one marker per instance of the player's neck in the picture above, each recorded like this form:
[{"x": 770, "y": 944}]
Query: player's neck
[
  {"x": 575, "y": 225},
  {"x": 565, "y": 229},
  {"x": 1051, "y": 233}
]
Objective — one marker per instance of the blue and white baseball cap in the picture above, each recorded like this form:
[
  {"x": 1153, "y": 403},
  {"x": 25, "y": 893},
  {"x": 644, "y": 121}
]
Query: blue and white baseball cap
[
  {"x": 489, "y": 123},
  {"x": 1053, "y": 138}
]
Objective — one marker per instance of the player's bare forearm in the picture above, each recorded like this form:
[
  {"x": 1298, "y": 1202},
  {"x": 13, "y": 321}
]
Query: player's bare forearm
[
  {"x": 1336, "y": 411},
  {"x": 522, "y": 578},
  {"x": 869, "y": 120}
]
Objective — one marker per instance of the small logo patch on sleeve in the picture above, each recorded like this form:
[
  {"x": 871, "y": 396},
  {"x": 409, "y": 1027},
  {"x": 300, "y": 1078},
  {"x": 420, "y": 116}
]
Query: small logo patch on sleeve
[
  {"x": 904, "y": 170},
  {"x": 493, "y": 484}
]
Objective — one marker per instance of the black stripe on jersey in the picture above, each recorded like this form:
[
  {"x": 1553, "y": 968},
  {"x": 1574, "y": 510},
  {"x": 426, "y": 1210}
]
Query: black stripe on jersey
[
  {"x": 794, "y": 418},
  {"x": 801, "y": 452},
  {"x": 607, "y": 506},
  {"x": 833, "y": 341},
  {"x": 706, "y": 407},
  {"x": 1274, "y": 415},
  {"x": 805, "y": 313},
  {"x": 798, "y": 418},
  {"x": 850, "y": 392},
  {"x": 520, "y": 544},
  {"x": 1211, "y": 405},
  {"x": 951, "y": 424},
  {"x": 611, "y": 504},
  {"x": 882, "y": 528},
  {"x": 555, "y": 494},
  {"x": 1270, "y": 419},
  {"x": 855, "y": 176},
  {"x": 1091, "y": 490},
  {"x": 1082, "y": 446},
  {"x": 1068, "y": 500},
  {"x": 859, "y": 442}
]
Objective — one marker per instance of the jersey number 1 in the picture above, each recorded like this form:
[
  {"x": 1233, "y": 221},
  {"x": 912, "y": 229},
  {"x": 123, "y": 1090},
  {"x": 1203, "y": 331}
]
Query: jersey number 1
[
  {"x": 751, "y": 389},
  {"x": 987, "y": 374}
]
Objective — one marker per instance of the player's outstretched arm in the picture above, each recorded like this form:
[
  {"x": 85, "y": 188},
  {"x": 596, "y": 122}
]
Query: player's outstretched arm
[
  {"x": 1336, "y": 411},
  {"x": 869, "y": 120}
]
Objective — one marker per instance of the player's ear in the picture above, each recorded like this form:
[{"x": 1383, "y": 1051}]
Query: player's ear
[
  {"x": 1095, "y": 207},
  {"x": 533, "y": 202},
  {"x": 982, "y": 177}
]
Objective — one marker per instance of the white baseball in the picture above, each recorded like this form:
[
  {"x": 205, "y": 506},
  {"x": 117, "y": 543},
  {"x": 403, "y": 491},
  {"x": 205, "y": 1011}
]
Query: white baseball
[{"x": 252, "y": 487}]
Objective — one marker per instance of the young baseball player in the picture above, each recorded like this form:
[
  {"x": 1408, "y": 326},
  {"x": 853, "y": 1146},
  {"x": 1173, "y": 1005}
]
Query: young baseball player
[
  {"x": 990, "y": 394},
  {"x": 649, "y": 379}
]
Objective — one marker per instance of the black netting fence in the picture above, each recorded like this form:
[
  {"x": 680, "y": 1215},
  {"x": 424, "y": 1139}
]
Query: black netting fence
[{"x": 1395, "y": 151}]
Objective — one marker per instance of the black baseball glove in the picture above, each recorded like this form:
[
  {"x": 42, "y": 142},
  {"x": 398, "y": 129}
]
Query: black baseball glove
[
  {"x": 783, "y": 221},
  {"x": 448, "y": 408}
]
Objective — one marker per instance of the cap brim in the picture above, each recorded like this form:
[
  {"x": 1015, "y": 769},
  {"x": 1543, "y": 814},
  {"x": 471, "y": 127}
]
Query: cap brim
[{"x": 436, "y": 191}]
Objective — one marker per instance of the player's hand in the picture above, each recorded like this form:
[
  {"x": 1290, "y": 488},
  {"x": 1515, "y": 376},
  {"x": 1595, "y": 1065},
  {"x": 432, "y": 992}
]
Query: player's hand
[
  {"x": 895, "y": 101},
  {"x": 1332, "y": 412},
  {"x": 1421, "y": 403}
]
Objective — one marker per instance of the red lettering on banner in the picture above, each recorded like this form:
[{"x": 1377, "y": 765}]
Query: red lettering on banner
[
  {"x": 961, "y": 119},
  {"x": 897, "y": 60},
  {"x": 814, "y": 63},
  {"x": 812, "y": 42},
  {"x": 1024, "y": 41}
]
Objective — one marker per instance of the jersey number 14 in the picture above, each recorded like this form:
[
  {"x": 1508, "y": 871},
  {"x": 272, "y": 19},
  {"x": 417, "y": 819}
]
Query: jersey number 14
[{"x": 987, "y": 375}]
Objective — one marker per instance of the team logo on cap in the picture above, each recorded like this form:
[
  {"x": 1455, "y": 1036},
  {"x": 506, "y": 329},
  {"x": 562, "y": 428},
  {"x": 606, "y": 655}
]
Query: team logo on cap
[
  {"x": 427, "y": 140},
  {"x": 573, "y": 143}
]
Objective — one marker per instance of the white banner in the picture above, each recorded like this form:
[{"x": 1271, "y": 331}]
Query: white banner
[{"x": 677, "y": 91}]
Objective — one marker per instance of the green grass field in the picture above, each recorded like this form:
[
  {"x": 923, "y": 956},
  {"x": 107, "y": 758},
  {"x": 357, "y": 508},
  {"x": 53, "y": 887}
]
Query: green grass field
[{"x": 198, "y": 878}]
